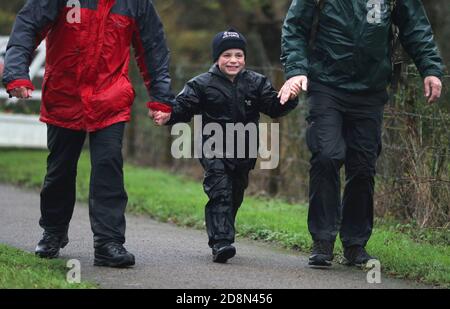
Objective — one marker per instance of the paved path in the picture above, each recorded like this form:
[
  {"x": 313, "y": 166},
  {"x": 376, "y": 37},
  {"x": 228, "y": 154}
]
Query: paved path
[{"x": 172, "y": 257}]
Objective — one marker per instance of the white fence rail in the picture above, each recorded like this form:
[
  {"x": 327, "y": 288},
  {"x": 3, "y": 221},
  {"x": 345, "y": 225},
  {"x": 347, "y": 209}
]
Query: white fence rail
[{"x": 22, "y": 131}]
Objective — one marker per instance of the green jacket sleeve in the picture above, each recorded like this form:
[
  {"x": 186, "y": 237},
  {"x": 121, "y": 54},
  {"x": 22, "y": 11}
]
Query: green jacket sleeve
[
  {"x": 417, "y": 38},
  {"x": 295, "y": 37}
]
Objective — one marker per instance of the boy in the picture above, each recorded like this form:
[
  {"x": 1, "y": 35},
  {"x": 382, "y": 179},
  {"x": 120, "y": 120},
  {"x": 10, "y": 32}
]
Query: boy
[{"x": 227, "y": 94}]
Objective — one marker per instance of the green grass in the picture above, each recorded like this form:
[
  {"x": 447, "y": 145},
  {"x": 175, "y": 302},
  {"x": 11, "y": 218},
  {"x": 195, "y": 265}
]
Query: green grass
[
  {"x": 22, "y": 270},
  {"x": 177, "y": 199}
]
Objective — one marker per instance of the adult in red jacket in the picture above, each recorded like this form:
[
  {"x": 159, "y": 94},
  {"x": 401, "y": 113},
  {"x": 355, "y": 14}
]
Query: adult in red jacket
[{"x": 86, "y": 89}]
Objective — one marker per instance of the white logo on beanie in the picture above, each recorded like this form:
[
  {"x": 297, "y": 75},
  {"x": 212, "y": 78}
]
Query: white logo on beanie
[{"x": 227, "y": 35}]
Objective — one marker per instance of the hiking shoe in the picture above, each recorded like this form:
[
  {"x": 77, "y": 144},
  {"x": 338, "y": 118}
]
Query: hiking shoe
[
  {"x": 113, "y": 255},
  {"x": 322, "y": 254},
  {"x": 50, "y": 244},
  {"x": 222, "y": 252},
  {"x": 356, "y": 255}
]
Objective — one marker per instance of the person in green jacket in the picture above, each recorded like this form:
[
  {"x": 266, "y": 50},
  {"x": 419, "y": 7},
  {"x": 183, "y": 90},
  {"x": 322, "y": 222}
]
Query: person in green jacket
[{"x": 346, "y": 71}]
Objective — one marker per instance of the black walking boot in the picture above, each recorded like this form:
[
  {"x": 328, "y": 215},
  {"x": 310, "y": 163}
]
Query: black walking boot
[
  {"x": 356, "y": 255},
  {"x": 322, "y": 254},
  {"x": 48, "y": 247},
  {"x": 222, "y": 252},
  {"x": 113, "y": 255}
]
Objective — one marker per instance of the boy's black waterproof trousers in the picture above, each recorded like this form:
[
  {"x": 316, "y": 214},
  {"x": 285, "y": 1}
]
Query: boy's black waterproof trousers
[{"x": 225, "y": 187}]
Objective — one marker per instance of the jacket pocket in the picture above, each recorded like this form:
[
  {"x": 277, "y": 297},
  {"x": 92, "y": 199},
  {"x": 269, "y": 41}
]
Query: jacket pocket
[{"x": 112, "y": 101}]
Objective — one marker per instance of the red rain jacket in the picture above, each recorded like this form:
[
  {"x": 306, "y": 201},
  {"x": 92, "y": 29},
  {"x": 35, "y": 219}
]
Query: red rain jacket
[{"x": 86, "y": 84}]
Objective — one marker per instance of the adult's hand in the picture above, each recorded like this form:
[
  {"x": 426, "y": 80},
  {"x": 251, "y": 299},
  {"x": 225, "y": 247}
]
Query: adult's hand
[
  {"x": 293, "y": 88},
  {"x": 433, "y": 88},
  {"x": 21, "y": 93}
]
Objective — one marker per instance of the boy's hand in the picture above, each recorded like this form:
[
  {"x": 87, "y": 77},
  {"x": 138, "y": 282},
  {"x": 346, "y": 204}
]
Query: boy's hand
[
  {"x": 151, "y": 113},
  {"x": 292, "y": 88},
  {"x": 162, "y": 118},
  {"x": 21, "y": 93},
  {"x": 159, "y": 118}
]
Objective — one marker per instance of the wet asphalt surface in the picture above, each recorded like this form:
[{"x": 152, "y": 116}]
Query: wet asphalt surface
[{"x": 171, "y": 257}]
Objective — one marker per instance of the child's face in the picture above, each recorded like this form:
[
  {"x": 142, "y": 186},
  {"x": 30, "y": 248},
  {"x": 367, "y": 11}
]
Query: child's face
[{"x": 231, "y": 62}]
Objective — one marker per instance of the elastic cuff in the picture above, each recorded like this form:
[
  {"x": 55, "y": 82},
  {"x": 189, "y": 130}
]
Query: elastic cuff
[
  {"x": 160, "y": 107},
  {"x": 19, "y": 83},
  {"x": 295, "y": 72},
  {"x": 433, "y": 73}
]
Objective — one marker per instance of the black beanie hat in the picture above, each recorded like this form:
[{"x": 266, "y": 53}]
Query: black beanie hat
[{"x": 229, "y": 39}]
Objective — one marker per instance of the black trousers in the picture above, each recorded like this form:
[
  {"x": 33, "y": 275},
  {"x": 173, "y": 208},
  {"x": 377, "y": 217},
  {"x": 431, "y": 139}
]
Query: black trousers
[
  {"x": 343, "y": 129},
  {"x": 107, "y": 196},
  {"x": 225, "y": 188}
]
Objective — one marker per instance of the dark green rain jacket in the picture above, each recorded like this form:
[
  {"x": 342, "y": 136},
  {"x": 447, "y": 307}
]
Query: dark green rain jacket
[{"x": 350, "y": 53}]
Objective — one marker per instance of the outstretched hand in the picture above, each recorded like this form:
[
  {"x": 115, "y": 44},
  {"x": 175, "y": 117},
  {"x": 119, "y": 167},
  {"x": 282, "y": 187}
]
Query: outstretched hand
[
  {"x": 293, "y": 88},
  {"x": 159, "y": 118}
]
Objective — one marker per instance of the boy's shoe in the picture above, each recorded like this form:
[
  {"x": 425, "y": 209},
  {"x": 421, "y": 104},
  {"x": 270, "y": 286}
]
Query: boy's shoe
[
  {"x": 322, "y": 254},
  {"x": 222, "y": 252},
  {"x": 48, "y": 247},
  {"x": 356, "y": 255},
  {"x": 113, "y": 255}
]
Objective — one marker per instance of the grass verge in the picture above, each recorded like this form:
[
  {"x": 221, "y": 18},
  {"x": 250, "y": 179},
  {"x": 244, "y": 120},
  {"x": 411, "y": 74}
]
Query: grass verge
[{"x": 22, "y": 270}]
